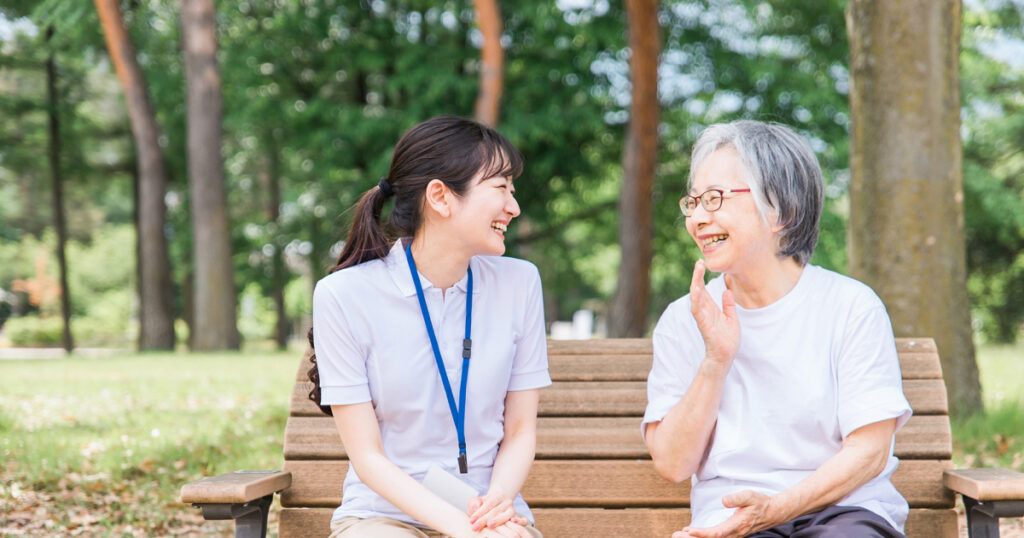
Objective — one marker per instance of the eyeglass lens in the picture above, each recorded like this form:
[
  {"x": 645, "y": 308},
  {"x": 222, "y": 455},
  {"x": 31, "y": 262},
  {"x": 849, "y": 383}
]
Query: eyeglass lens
[{"x": 711, "y": 200}]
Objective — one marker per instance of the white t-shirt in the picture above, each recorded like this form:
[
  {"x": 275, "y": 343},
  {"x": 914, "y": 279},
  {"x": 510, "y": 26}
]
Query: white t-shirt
[
  {"x": 372, "y": 345},
  {"x": 812, "y": 367}
]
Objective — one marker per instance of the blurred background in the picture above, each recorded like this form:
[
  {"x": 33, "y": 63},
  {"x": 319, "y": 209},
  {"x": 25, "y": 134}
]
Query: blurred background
[{"x": 316, "y": 93}]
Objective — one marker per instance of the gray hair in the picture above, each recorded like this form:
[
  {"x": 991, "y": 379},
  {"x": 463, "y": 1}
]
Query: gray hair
[{"x": 783, "y": 175}]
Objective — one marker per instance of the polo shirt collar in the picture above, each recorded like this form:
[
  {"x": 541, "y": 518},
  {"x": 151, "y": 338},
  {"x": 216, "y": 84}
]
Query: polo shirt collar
[{"x": 398, "y": 267}]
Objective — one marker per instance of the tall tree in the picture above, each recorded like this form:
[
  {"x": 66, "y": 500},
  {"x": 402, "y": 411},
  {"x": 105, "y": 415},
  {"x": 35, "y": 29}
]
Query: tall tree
[
  {"x": 629, "y": 306},
  {"x": 58, "y": 191},
  {"x": 492, "y": 60},
  {"x": 156, "y": 307},
  {"x": 906, "y": 191},
  {"x": 215, "y": 325},
  {"x": 270, "y": 180}
]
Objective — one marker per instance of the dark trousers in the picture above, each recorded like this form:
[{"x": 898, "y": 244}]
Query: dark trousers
[{"x": 834, "y": 521}]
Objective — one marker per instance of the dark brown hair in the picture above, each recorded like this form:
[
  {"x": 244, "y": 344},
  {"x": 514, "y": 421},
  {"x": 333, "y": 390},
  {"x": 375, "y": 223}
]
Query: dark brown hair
[{"x": 450, "y": 149}]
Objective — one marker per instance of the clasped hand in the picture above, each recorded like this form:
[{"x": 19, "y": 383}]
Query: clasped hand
[{"x": 493, "y": 515}]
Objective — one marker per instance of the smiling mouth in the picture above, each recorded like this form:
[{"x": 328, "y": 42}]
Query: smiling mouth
[
  {"x": 499, "y": 226},
  {"x": 713, "y": 240}
]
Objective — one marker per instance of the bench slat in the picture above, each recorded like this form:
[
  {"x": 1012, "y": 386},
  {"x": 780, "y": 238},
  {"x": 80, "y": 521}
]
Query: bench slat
[
  {"x": 569, "y": 362},
  {"x": 605, "y": 483},
  {"x": 315, "y": 438},
  {"x": 574, "y": 522},
  {"x": 629, "y": 398}
]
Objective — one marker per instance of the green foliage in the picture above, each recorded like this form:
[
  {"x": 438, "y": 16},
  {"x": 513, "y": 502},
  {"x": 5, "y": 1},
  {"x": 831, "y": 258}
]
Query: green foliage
[
  {"x": 255, "y": 314},
  {"x": 993, "y": 118},
  {"x": 316, "y": 94},
  {"x": 101, "y": 282},
  {"x": 32, "y": 331}
]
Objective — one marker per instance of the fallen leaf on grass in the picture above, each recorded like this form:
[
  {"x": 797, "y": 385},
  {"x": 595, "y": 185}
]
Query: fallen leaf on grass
[{"x": 1002, "y": 443}]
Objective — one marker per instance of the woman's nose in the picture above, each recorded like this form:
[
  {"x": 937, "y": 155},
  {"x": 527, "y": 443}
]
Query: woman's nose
[{"x": 512, "y": 206}]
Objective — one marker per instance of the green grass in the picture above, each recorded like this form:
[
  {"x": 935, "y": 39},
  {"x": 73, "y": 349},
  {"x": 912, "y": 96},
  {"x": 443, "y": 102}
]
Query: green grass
[
  {"x": 997, "y": 437},
  {"x": 100, "y": 447}
]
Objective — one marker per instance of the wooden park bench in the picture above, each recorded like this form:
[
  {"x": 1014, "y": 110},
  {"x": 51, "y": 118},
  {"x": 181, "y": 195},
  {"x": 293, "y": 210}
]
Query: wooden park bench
[{"x": 593, "y": 475}]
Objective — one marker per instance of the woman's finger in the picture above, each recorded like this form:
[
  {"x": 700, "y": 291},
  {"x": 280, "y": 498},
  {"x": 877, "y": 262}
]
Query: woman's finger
[
  {"x": 728, "y": 304},
  {"x": 486, "y": 505},
  {"x": 499, "y": 516},
  {"x": 697, "y": 282}
]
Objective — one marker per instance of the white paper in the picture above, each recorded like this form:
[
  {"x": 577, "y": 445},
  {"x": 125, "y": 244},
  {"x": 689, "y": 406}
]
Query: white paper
[{"x": 448, "y": 487}]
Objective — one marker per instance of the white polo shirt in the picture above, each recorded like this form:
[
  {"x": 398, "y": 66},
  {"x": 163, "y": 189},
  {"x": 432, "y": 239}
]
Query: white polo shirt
[
  {"x": 812, "y": 367},
  {"x": 372, "y": 346}
]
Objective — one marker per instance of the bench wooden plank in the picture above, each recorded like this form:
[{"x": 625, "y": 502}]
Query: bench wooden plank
[
  {"x": 629, "y": 398},
  {"x": 986, "y": 484},
  {"x": 604, "y": 483},
  {"x": 236, "y": 487},
  {"x": 315, "y": 438},
  {"x": 614, "y": 366},
  {"x": 574, "y": 522}
]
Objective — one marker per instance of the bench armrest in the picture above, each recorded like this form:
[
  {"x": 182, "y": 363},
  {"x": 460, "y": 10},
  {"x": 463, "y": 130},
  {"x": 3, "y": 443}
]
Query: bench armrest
[
  {"x": 236, "y": 487},
  {"x": 986, "y": 484},
  {"x": 988, "y": 494},
  {"x": 243, "y": 496}
]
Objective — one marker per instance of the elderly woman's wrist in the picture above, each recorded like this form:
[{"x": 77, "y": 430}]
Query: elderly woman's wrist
[
  {"x": 715, "y": 366},
  {"x": 782, "y": 509}
]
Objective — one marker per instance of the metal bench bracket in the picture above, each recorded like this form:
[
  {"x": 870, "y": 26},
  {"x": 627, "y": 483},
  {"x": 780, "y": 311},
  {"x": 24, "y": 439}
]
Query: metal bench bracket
[{"x": 250, "y": 518}]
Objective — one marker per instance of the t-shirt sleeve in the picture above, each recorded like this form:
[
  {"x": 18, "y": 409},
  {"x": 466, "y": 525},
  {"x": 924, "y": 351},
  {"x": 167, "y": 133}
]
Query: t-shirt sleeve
[
  {"x": 530, "y": 365},
  {"x": 339, "y": 357},
  {"x": 677, "y": 356},
  {"x": 869, "y": 379}
]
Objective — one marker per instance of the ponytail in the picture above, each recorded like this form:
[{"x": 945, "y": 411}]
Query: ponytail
[{"x": 366, "y": 241}]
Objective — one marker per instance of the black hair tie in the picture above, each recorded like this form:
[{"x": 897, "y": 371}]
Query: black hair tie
[{"x": 385, "y": 187}]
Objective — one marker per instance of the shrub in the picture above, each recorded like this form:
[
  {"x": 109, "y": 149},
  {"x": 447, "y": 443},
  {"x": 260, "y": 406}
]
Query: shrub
[{"x": 34, "y": 331}]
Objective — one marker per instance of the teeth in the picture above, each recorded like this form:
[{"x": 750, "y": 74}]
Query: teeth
[
  {"x": 499, "y": 226},
  {"x": 714, "y": 239}
]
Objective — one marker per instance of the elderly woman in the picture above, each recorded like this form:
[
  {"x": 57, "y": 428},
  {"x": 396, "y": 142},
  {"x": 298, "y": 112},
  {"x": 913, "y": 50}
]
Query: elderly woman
[{"x": 776, "y": 386}]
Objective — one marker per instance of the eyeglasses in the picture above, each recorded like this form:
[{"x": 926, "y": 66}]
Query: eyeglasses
[{"x": 710, "y": 200}]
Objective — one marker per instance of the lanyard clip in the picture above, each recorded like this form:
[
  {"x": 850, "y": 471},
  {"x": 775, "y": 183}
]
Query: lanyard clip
[
  {"x": 467, "y": 346},
  {"x": 463, "y": 464}
]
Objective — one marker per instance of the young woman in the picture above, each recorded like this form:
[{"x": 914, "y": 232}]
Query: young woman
[
  {"x": 776, "y": 385},
  {"x": 431, "y": 349}
]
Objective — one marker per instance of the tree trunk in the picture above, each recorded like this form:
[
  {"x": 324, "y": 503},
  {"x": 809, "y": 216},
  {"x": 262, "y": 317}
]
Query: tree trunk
[
  {"x": 492, "y": 59},
  {"x": 156, "y": 305},
  {"x": 628, "y": 316},
  {"x": 58, "y": 194},
  {"x": 215, "y": 296},
  {"x": 906, "y": 189},
  {"x": 271, "y": 181}
]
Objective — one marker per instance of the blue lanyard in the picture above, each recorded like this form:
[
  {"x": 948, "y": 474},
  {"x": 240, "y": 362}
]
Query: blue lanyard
[{"x": 458, "y": 413}]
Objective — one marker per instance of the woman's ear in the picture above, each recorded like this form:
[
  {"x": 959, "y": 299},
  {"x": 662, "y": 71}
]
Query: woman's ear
[{"x": 436, "y": 197}]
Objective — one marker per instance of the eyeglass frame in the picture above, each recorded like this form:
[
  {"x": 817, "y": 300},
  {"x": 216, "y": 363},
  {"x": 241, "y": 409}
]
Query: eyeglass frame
[{"x": 700, "y": 199}]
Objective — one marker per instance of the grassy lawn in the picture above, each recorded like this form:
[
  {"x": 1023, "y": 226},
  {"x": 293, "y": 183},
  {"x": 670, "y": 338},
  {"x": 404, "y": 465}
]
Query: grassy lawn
[{"x": 100, "y": 447}]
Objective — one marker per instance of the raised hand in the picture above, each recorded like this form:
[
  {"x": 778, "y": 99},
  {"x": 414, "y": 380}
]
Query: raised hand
[{"x": 719, "y": 327}]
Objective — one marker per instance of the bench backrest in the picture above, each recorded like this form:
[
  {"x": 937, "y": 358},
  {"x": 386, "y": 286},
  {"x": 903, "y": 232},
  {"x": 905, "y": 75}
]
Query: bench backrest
[{"x": 593, "y": 475}]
